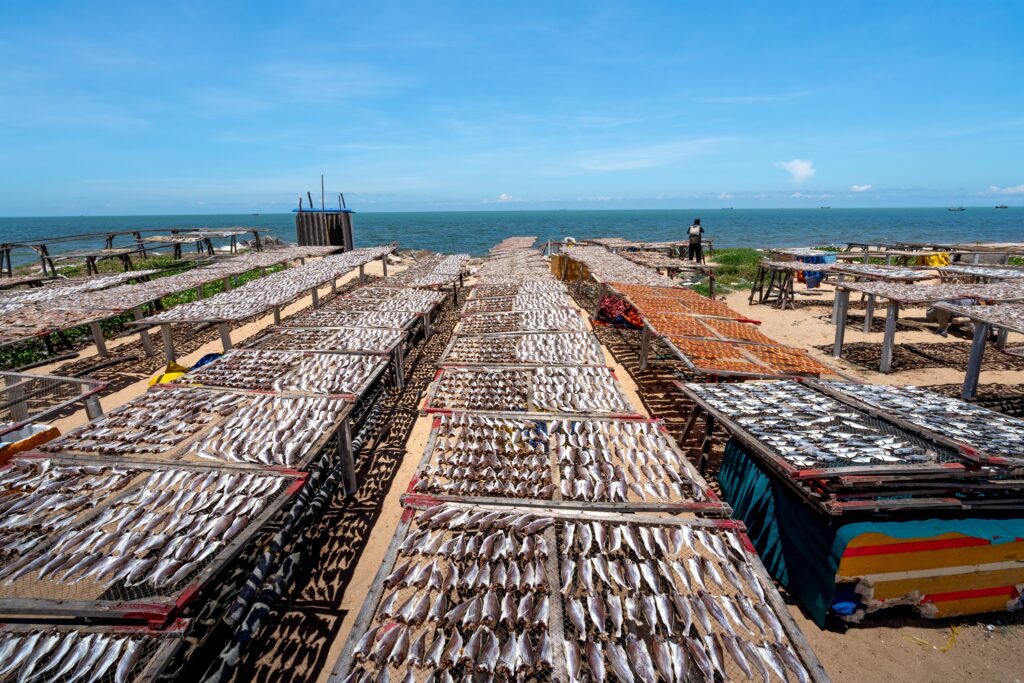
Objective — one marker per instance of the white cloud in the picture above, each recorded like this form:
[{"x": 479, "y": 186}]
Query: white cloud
[
  {"x": 725, "y": 195},
  {"x": 504, "y": 198},
  {"x": 799, "y": 169},
  {"x": 995, "y": 189},
  {"x": 859, "y": 188}
]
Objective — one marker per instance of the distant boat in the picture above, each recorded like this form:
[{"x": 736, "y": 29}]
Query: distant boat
[
  {"x": 1002, "y": 206},
  {"x": 824, "y": 207},
  {"x": 956, "y": 208}
]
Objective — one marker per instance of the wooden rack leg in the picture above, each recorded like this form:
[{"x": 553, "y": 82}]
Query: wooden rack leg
[
  {"x": 705, "y": 447},
  {"x": 362, "y": 274},
  {"x": 970, "y": 388},
  {"x": 869, "y": 313},
  {"x": 842, "y": 302},
  {"x": 97, "y": 337},
  {"x": 399, "y": 367},
  {"x": 755, "y": 285},
  {"x": 645, "y": 347},
  {"x": 165, "y": 332},
  {"x": 277, "y": 315},
  {"x": 690, "y": 421},
  {"x": 889, "y": 341},
  {"x": 1001, "y": 338},
  {"x": 225, "y": 336},
  {"x": 346, "y": 457},
  {"x": 315, "y": 296},
  {"x": 227, "y": 284},
  {"x": 384, "y": 264},
  {"x": 147, "y": 341}
]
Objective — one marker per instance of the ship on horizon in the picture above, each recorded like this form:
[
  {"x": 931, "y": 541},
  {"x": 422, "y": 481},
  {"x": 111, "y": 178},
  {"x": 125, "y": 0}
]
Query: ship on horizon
[{"x": 956, "y": 208}]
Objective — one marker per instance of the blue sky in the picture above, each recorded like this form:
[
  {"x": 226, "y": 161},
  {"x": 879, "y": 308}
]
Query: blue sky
[{"x": 126, "y": 108}]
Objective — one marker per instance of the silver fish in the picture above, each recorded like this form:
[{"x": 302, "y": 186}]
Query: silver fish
[
  {"x": 620, "y": 663},
  {"x": 595, "y": 660}
]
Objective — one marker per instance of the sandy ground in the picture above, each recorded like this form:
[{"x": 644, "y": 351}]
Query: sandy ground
[{"x": 808, "y": 326}]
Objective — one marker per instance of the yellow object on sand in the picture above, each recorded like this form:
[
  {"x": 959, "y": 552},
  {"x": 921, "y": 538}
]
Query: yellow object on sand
[
  {"x": 172, "y": 372},
  {"x": 939, "y": 258}
]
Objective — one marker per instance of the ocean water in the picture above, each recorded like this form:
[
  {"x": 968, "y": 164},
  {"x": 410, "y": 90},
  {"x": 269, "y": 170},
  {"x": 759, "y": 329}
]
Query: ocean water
[{"x": 476, "y": 231}]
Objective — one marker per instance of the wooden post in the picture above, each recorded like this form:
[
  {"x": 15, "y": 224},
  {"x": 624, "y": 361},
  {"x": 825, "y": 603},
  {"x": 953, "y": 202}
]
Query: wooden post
[
  {"x": 842, "y": 301},
  {"x": 428, "y": 331},
  {"x": 97, "y": 337},
  {"x": 889, "y": 341},
  {"x": 835, "y": 297},
  {"x": 165, "y": 332},
  {"x": 227, "y": 283},
  {"x": 869, "y": 313},
  {"x": 645, "y": 346},
  {"x": 970, "y": 388},
  {"x": 315, "y": 295},
  {"x": 199, "y": 293},
  {"x": 225, "y": 336},
  {"x": 384, "y": 264},
  {"x": 347, "y": 458},
  {"x": 334, "y": 286},
  {"x": 277, "y": 315},
  {"x": 362, "y": 274},
  {"x": 399, "y": 362},
  {"x": 1001, "y": 338},
  {"x": 147, "y": 342},
  {"x": 711, "y": 284}
]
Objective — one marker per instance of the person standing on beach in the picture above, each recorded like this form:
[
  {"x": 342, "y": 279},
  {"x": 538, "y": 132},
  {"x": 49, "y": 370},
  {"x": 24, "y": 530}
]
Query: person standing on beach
[{"x": 696, "y": 252}]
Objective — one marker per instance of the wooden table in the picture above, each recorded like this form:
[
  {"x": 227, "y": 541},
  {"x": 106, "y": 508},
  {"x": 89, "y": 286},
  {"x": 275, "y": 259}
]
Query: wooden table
[
  {"x": 868, "y": 271},
  {"x": 1008, "y": 317},
  {"x": 901, "y": 294},
  {"x": 781, "y": 275}
]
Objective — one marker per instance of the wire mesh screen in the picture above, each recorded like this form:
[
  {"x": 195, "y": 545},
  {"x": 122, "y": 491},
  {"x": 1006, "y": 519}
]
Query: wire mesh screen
[
  {"x": 104, "y": 534},
  {"x": 26, "y": 398},
  {"x": 506, "y": 594},
  {"x": 62, "y": 654}
]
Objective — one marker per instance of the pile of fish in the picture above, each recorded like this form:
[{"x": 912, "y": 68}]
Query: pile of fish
[
  {"x": 276, "y": 289},
  {"x": 476, "y": 455},
  {"x": 398, "y": 320},
  {"x": 873, "y": 271},
  {"x": 55, "y": 654},
  {"x": 606, "y": 266},
  {"x": 149, "y": 539},
  {"x": 1004, "y": 316},
  {"x": 982, "y": 429},
  {"x": 808, "y": 430},
  {"x": 597, "y": 460},
  {"x": 288, "y": 371},
  {"x": 923, "y": 293},
  {"x": 271, "y": 430},
  {"x": 577, "y": 390},
  {"x": 69, "y": 289},
  {"x": 553, "y": 320},
  {"x": 534, "y": 287},
  {"x": 548, "y": 389},
  {"x": 529, "y": 349},
  {"x": 983, "y": 272},
  {"x": 481, "y": 389},
  {"x": 433, "y": 270},
  {"x": 392, "y": 299},
  {"x": 474, "y": 592},
  {"x": 621, "y": 461},
  {"x": 21, "y": 321},
  {"x": 353, "y": 339},
  {"x": 514, "y": 243},
  {"x": 519, "y": 302},
  {"x": 153, "y": 423}
]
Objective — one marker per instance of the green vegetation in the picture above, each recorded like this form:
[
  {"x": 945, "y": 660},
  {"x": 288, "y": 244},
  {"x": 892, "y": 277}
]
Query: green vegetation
[{"x": 736, "y": 270}]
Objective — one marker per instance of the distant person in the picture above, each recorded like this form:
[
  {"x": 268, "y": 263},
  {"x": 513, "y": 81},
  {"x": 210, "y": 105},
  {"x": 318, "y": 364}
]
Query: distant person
[{"x": 696, "y": 252}]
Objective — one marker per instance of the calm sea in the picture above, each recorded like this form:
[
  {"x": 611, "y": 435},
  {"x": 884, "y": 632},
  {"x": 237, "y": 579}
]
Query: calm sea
[{"x": 476, "y": 231}]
